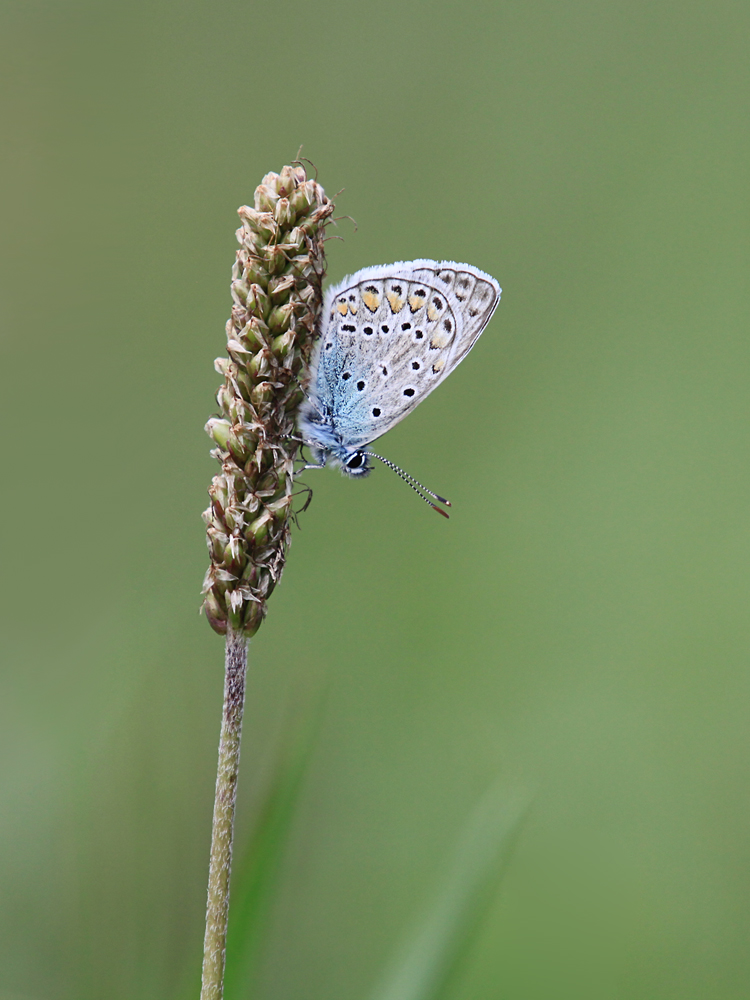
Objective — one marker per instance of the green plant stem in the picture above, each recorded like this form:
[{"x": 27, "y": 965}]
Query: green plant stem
[{"x": 217, "y": 909}]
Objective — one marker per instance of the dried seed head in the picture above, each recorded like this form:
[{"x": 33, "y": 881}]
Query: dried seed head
[{"x": 276, "y": 295}]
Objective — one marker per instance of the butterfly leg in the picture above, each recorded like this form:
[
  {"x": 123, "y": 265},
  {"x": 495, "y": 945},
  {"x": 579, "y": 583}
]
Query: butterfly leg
[
  {"x": 306, "y": 504},
  {"x": 310, "y": 465}
]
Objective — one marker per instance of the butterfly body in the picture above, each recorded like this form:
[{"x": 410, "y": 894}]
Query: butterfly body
[{"x": 389, "y": 335}]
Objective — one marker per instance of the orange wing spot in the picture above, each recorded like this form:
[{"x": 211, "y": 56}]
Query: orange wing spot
[
  {"x": 438, "y": 366},
  {"x": 416, "y": 302},
  {"x": 439, "y": 339},
  {"x": 353, "y": 308},
  {"x": 395, "y": 302},
  {"x": 371, "y": 300},
  {"x": 433, "y": 314},
  {"x": 342, "y": 307}
]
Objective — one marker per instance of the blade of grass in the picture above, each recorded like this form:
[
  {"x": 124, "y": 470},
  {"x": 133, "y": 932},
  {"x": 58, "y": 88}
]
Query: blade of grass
[
  {"x": 259, "y": 862},
  {"x": 425, "y": 966}
]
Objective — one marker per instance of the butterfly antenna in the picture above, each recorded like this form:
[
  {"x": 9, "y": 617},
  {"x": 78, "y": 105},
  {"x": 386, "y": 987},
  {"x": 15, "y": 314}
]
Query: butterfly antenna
[{"x": 414, "y": 483}]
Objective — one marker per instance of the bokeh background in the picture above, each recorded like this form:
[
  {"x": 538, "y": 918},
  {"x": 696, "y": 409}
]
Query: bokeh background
[{"x": 577, "y": 635}]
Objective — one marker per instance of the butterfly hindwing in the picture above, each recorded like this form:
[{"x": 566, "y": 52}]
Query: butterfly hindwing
[{"x": 390, "y": 335}]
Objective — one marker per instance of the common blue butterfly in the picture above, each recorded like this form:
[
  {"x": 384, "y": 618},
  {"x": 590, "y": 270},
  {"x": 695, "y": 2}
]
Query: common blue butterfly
[{"x": 388, "y": 336}]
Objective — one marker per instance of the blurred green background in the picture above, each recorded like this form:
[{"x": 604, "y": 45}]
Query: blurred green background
[{"x": 578, "y": 632}]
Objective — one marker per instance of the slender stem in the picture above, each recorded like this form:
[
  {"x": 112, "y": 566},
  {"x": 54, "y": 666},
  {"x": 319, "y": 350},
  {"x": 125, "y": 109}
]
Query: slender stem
[{"x": 217, "y": 910}]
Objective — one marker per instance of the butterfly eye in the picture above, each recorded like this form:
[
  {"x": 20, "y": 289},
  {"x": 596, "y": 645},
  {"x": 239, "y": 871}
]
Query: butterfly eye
[{"x": 356, "y": 461}]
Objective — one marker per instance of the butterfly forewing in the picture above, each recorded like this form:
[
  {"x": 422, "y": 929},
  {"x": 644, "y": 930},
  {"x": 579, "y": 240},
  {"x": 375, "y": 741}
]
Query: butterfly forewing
[{"x": 473, "y": 297}]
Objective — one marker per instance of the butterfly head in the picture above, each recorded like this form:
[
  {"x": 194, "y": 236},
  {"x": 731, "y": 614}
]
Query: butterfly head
[
  {"x": 326, "y": 445},
  {"x": 356, "y": 465}
]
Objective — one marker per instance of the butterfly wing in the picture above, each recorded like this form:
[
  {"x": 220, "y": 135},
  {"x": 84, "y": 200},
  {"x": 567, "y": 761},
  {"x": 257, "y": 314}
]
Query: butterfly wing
[{"x": 391, "y": 335}]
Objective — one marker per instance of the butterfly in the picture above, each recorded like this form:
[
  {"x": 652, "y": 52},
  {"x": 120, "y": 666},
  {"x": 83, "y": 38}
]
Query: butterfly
[{"x": 389, "y": 335}]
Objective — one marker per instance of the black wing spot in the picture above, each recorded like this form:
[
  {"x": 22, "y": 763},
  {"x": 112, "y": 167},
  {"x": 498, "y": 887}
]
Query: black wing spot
[
  {"x": 446, "y": 277},
  {"x": 329, "y": 345},
  {"x": 416, "y": 365},
  {"x": 375, "y": 411},
  {"x": 348, "y": 327},
  {"x": 360, "y": 386},
  {"x": 473, "y": 312},
  {"x": 437, "y": 303},
  {"x": 463, "y": 282},
  {"x": 385, "y": 370},
  {"x": 396, "y": 289},
  {"x": 409, "y": 392},
  {"x": 461, "y": 298},
  {"x": 421, "y": 293},
  {"x": 448, "y": 325},
  {"x": 352, "y": 298},
  {"x": 406, "y": 326},
  {"x": 368, "y": 331},
  {"x": 384, "y": 329},
  {"x": 419, "y": 334},
  {"x": 346, "y": 375},
  {"x": 371, "y": 288}
]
